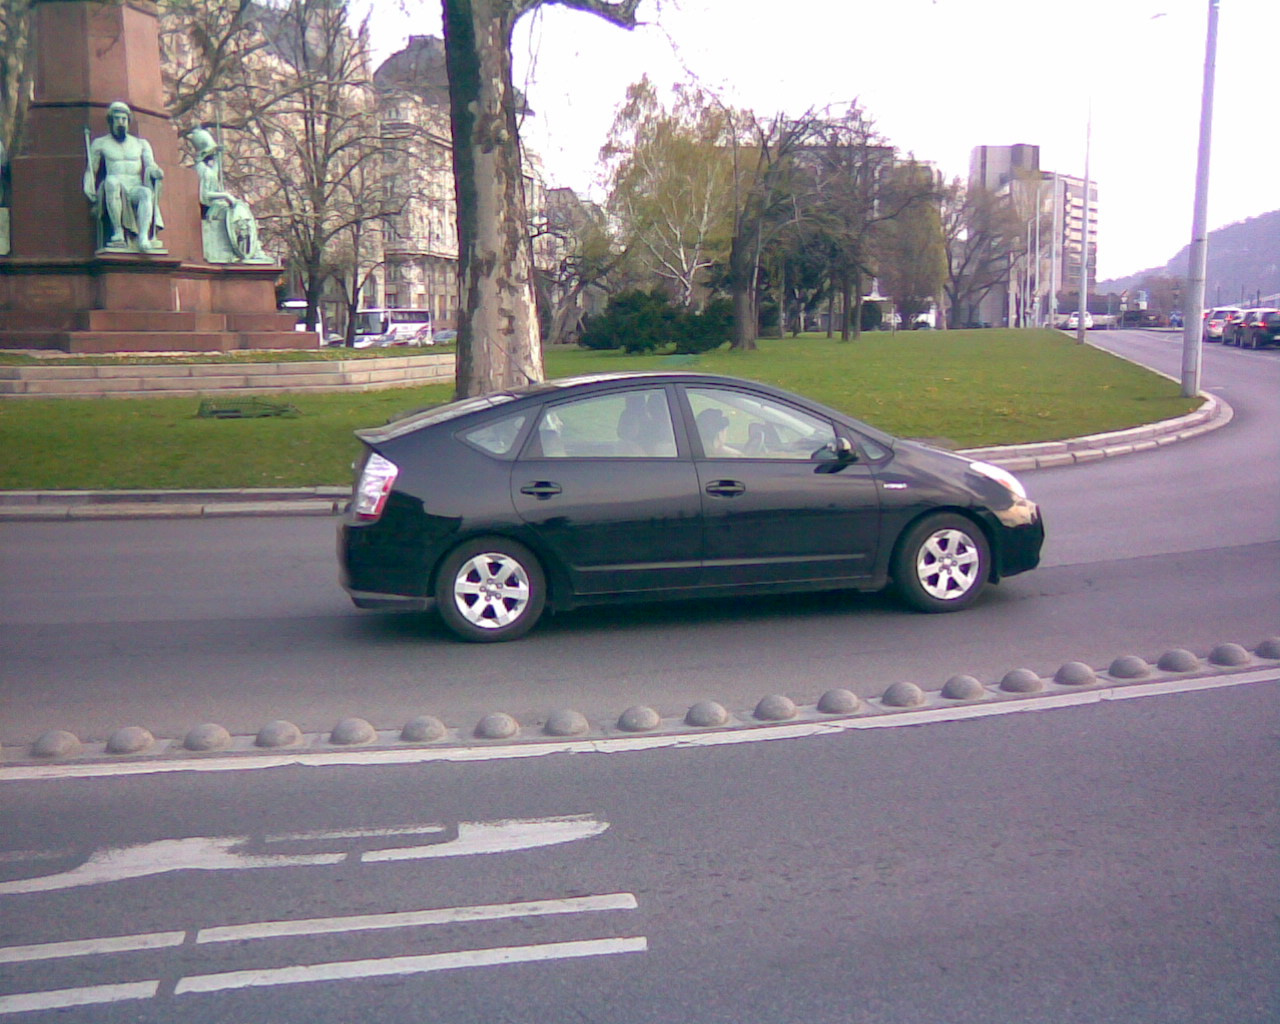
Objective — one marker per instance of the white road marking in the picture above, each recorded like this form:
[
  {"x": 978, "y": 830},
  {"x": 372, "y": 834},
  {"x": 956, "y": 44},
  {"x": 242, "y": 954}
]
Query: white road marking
[
  {"x": 218, "y": 853},
  {"x": 417, "y": 918},
  {"x": 90, "y": 947},
  {"x": 496, "y": 837},
  {"x": 351, "y": 970},
  {"x": 25, "y": 1002},
  {"x": 343, "y": 970},
  {"x": 626, "y": 744}
]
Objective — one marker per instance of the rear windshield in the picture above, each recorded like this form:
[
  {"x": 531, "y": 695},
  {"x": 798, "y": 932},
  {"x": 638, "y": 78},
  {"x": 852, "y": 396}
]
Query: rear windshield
[{"x": 436, "y": 414}]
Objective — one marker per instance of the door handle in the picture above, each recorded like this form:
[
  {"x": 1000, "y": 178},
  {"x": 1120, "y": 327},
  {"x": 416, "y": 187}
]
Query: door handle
[
  {"x": 541, "y": 489},
  {"x": 726, "y": 488}
]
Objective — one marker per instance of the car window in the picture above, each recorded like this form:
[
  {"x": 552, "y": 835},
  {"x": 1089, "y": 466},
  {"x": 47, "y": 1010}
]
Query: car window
[
  {"x": 738, "y": 425},
  {"x": 621, "y": 425},
  {"x": 496, "y": 438}
]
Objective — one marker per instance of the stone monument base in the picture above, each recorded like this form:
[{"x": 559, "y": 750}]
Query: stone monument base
[{"x": 111, "y": 304}]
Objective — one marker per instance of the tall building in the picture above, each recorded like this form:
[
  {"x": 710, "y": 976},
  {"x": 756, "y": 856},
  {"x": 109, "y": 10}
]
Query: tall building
[
  {"x": 994, "y": 167},
  {"x": 1044, "y": 263}
]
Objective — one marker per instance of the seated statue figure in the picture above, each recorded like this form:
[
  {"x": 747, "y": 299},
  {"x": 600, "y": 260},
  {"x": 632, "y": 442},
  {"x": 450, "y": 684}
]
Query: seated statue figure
[
  {"x": 124, "y": 182},
  {"x": 229, "y": 229}
]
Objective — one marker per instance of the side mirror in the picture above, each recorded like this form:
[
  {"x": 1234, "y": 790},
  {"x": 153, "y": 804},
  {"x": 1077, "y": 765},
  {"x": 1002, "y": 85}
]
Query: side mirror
[{"x": 838, "y": 453}]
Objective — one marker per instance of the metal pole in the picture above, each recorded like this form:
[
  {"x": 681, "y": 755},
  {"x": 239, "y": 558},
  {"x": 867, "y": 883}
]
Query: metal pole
[
  {"x": 1055, "y": 253},
  {"x": 1083, "y": 304},
  {"x": 1197, "y": 260}
]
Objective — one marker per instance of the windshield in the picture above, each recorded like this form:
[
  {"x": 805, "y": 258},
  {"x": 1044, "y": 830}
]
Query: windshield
[{"x": 409, "y": 316}]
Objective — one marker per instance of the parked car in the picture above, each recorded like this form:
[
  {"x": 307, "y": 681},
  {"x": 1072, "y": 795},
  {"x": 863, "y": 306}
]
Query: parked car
[
  {"x": 1231, "y": 327},
  {"x": 634, "y": 486},
  {"x": 1215, "y": 320},
  {"x": 1258, "y": 327}
]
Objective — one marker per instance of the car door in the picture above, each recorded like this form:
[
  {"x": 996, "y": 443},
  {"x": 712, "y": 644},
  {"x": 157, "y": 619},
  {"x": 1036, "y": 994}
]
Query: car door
[
  {"x": 778, "y": 504},
  {"x": 605, "y": 486}
]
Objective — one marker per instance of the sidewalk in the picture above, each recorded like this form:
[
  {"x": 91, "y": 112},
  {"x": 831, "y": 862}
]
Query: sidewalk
[{"x": 327, "y": 501}]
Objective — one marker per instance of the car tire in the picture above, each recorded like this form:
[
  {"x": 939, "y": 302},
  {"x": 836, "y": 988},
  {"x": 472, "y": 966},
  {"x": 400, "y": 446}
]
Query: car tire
[
  {"x": 941, "y": 563},
  {"x": 490, "y": 589}
]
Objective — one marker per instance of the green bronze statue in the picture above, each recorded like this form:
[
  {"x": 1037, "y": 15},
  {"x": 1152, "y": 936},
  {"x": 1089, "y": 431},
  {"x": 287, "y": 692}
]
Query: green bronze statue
[
  {"x": 230, "y": 232},
  {"x": 124, "y": 182}
]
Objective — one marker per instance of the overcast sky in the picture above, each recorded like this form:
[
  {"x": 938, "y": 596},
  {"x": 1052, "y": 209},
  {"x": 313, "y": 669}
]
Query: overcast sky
[{"x": 940, "y": 77}]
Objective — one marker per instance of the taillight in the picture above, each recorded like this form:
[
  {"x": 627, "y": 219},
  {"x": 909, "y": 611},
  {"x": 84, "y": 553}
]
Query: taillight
[{"x": 373, "y": 487}]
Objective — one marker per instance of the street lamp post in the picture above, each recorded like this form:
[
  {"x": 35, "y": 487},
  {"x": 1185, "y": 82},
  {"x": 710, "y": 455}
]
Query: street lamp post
[
  {"x": 1193, "y": 324},
  {"x": 1083, "y": 304}
]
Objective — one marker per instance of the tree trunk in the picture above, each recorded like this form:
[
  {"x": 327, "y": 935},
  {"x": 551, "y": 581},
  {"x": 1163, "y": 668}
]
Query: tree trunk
[
  {"x": 742, "y": 282},
  {"x": 499, "y": 342}
]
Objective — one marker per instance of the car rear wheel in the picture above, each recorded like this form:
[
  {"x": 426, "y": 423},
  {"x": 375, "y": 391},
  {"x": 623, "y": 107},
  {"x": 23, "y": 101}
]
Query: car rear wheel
[
  {"x": 490, "y": 589},
  {"x": 941, "y": 564}
]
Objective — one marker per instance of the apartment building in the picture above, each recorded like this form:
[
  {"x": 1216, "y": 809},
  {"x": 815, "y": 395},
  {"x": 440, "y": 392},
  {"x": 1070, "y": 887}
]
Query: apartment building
[{"x": 1044, "y": 264}]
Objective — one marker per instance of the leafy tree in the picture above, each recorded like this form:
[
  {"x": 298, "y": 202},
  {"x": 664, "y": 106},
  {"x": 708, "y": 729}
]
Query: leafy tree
[
  {"x": 499, "y": 343},
  {"x": 671, "y": 180}
]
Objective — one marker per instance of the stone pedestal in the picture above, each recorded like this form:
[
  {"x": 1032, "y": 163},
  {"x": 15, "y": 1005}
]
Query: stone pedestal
[{"x": 56, "y": 292}]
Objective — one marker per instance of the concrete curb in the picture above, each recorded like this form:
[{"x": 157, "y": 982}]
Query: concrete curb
[
  {"x": 327, "y": 501},
  {"x": 209, "y": 746},
  {"x": 160, "y": 504}
]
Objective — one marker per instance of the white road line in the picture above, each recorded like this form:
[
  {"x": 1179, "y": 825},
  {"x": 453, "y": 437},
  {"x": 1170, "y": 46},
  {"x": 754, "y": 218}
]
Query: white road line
[
  {"x": 625, "y": 744},
  {"x": 350, "y": 970},
  {"x": 90, "y": 947},
  {"x": 417, "y": 918},
  {"x": 25, "y": 1002},
  {"x": 496, "y": 837}
]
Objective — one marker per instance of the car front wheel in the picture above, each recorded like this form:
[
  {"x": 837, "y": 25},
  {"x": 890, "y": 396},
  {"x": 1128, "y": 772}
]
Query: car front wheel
[
  {"x": 490, "y": 589},
  {"x": 941, "y": 564}
]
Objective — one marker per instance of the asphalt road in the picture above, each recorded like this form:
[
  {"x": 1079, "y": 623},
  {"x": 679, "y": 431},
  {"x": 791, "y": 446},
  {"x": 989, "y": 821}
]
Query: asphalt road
[
  {"x": 171, "y": 623},
  {"x": 1114, "y": 862}
]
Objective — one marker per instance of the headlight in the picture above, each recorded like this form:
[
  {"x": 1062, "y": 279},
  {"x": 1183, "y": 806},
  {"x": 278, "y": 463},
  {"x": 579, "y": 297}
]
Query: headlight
[{"x": 1000, "y": 476}]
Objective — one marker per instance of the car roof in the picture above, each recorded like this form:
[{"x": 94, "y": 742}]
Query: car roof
[{"x": 418, "y": 419}]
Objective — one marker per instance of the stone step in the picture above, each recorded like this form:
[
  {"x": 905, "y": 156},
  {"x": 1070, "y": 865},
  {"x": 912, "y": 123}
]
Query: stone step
[{"x": 187, "y": 379}]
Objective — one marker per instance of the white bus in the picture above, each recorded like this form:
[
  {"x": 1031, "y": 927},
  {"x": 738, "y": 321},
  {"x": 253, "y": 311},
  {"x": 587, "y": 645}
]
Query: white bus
[{"x": 378, "y": 327}]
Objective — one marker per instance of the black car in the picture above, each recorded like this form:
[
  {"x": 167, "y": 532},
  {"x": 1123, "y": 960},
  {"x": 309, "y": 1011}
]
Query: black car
[
  {"x": 1259, "y": 327},
  {"x": 658, "y": 485}
]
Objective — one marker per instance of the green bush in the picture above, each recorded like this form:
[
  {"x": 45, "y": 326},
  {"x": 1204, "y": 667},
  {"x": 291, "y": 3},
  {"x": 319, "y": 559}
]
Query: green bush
[
  {"x": 641, "y": 322},
  {"x": 636, "y": 321},
  {"x": 708, "y": 330}
]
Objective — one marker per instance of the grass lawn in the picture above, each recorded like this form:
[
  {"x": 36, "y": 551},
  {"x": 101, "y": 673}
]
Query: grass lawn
[{"x": 968, "y": 388}]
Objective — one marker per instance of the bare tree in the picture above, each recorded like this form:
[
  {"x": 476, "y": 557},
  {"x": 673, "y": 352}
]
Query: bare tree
[
  {"x": 584, "y": 254},
  {"x": 206, "y": 49},
  {"x": 911, "y": 257},
  {"x": 15, "y": 75},
  {"x": 763, "y": 202},
  {"x": 499, "y": 343},
  {"x": 980, "y": 232}
]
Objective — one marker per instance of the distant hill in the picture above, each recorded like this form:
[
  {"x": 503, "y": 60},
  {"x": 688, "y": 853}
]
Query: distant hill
[{"x": 1244, "y": 262}]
